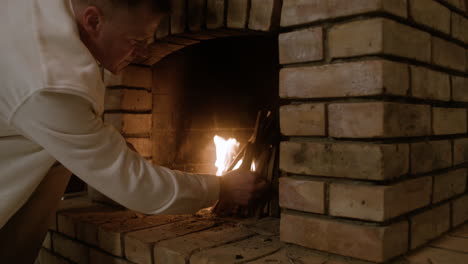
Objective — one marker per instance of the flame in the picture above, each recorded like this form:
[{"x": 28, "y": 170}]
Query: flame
[
  {"x": 239, "y": 163},
  {"x": 225, "y": 152}
]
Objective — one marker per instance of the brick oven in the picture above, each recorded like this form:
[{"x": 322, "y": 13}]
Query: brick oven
[{"x": 372, "y": 97}]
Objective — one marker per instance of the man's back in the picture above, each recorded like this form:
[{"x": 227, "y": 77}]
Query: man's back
[{"x": 41, "y": 51}]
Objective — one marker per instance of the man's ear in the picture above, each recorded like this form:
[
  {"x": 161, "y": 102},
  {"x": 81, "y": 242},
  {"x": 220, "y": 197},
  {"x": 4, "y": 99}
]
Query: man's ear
[{"x": 92, "y": 20}]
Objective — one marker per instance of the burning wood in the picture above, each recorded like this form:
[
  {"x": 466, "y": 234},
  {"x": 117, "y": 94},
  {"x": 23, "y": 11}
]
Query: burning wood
[
  {"x": 259, "y": 155},
  {"x": 225, "y": 151}
]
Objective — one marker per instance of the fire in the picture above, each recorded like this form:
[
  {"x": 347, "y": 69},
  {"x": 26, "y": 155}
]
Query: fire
[{"x": 225, "y": 152}]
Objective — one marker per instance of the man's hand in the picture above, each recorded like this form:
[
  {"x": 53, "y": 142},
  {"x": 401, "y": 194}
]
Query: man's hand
[{"x": 238, "y": 188}]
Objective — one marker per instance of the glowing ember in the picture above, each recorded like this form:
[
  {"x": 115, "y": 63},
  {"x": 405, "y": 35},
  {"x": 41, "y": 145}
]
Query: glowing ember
[{"x": 225, "y": 152}]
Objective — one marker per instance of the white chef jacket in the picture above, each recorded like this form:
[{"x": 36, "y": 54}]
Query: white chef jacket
[{"x": 51, "y": 100}]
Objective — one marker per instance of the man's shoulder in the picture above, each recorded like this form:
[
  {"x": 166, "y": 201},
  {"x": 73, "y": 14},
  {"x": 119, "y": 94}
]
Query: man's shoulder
[
  {"x": 43, "y": 50},
  {"x": 67, "y": 63}
]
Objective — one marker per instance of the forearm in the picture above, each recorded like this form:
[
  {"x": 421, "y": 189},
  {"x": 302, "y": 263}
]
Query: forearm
[{"x": 67, "y": 128}]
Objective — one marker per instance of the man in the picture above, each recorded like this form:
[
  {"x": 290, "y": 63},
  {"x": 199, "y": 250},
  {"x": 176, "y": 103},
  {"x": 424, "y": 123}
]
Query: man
[{"x": 51, "y": 102}]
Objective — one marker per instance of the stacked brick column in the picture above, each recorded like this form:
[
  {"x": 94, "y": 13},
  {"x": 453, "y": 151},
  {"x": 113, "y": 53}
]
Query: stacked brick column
[
  {"x": 375, "y": 124},
  {"x": 128, "y": 106}
]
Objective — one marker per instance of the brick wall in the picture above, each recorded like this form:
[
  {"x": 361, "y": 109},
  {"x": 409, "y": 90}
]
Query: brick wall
[
  {"x": 374, "y": 114},
  {"x": 374, "y": 123},
  {"x": 87, "y": 233}
]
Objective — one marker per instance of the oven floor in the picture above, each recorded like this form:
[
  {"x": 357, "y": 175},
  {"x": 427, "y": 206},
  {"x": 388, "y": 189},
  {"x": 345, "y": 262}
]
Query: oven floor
[{"x": 85, "y": 232}]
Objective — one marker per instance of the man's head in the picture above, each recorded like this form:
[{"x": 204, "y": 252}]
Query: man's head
[{"x": 118, "y": 31}]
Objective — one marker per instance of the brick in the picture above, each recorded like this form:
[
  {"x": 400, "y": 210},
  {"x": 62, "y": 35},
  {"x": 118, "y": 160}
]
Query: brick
[
  {"x": 178, "y": 16},
  {"x": 139, "y": 244},
  {"x": 237, "y": 13},
  {"x": 196, "y": 14},
  {"x": 137, "y": 124},
  {"x": 298, "y": 254},
  {"x": 47, "y": 257},
  {"x": 452, "y": 243},
  {"x": 303, "y": 120},
  {"x": 244, "y": 250},
  {"x": 379, "y": 202},
  {"x": 179, "y": 250},
  {"x": 460, "y": 210},
  {"x": 347, "y": 160},
  {"x": 67, "y": 204},
  {"x": 379, "y": 36},
  {"x": 70, "y": 249},
  {"x": 430, "y": 224},
  {"x": 47, "y": 243},
  {"x": 449, "y": 184},
  {"x": 461, "y": 231},
  {"x": 128, "y": 100},
  {"x": 448, "y": 54},
  {"x": 374, "y": 243},
  {"x": 87, "y": 226},
  {"x": 110, "y": 235},
  {"x": 429, "y": 84},
  {"x": 132, "y": 76},
  {"x": 267, "y": 226},
  {"x": 296, "y": 12},
  {"x": 364, "y": 78},
  {"x": 460, "y": 4},
  {"x": 459, "y": 27},
  {"x": 215, "y": 13},
  {"x": 459, "y": 89},
  {"x": 264, "y": 14},
  {"x": 67, "y": 220},
  {"x": 98, "y": 257},
  {"x": 144, "y": 146},
  {"x": 137, "y": 100},
  {"x": 448, "y": 120},
  {"x": 378, "y": 120},
  {"x": 436, "y": 255},
  {"x": 430, "y": 155},
  {"x": 303, "y": 255},
  {"x": 460, "y": 151},
  {"x": 301, "y": 194},
  {"x": 431, "y": 14},
  {"x": 301, "y": 45}
]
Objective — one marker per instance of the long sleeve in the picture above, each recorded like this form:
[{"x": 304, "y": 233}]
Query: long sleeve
[{"x": 68, "y": 129}]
